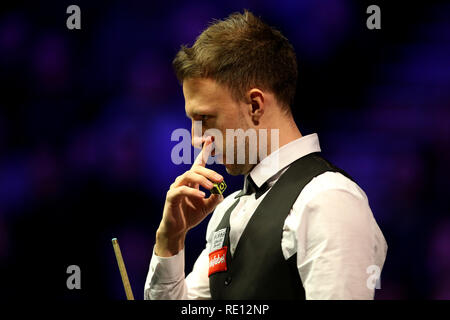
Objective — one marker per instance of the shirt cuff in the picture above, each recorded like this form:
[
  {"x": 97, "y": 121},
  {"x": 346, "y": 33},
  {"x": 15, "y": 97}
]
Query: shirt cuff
[{"x": 167, "y": 269}]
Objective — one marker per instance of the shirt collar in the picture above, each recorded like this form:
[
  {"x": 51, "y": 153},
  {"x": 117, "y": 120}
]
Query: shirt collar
[{"x": 283, "y": 157}]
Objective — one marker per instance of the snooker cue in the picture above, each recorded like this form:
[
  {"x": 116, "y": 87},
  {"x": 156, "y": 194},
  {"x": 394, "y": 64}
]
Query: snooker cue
[{"x": 123, "y": 270}]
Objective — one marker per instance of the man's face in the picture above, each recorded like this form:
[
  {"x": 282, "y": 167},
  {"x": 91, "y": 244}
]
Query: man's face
[{"x": 213, "y": 105}]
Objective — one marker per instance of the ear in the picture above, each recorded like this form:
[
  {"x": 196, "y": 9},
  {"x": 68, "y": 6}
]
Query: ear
[{"x": 256, "y": 105}]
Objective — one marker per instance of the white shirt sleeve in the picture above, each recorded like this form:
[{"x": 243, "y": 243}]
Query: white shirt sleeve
[
  {"x": 338, "y": 239},
  {"x": 166, "y": 276}
]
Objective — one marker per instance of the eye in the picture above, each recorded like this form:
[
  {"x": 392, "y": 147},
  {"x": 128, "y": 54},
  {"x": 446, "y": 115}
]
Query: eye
[{"x": 204, "y": 117}]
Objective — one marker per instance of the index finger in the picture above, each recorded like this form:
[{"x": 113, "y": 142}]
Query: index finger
[{"x": 204, "y": 154}]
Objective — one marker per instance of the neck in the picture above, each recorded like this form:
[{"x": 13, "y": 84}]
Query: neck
[{"x": 287, "y": 132}]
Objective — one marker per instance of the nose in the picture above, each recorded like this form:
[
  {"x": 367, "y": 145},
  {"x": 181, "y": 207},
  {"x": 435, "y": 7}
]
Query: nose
[
  {"x": 198, "y": 142},
  {"x": 197, "y": 139}
]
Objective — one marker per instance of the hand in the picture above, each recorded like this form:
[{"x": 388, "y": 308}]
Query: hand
[{"x": 186, "y": 206}]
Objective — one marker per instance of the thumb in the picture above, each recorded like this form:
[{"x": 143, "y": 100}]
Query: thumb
[{"x": 212, "y": 202}]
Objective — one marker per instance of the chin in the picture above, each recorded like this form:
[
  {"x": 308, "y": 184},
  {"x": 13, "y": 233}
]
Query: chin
[{"x": 237, "y": 169}]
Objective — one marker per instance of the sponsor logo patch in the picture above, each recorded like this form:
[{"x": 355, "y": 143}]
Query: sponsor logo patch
[{"x": 217, "y": 261}]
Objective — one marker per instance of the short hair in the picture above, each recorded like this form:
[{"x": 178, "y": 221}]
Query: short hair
[{"x": 242, "y": 52}]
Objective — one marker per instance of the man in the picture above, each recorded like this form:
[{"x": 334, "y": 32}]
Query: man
[{"x": 300, "y": 228}]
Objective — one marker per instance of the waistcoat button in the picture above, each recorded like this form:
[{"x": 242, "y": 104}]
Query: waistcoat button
[{"x": 227, "y": 281}]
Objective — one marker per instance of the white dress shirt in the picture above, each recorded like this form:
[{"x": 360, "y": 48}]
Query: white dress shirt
[{"x": 331, "y": 227}]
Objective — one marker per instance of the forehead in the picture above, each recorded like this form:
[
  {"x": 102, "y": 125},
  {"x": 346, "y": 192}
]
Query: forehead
[{"x": 204, "y": 95}]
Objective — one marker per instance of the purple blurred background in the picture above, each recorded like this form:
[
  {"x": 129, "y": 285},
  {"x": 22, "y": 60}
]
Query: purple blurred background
[{"x": 86, "y": 117}]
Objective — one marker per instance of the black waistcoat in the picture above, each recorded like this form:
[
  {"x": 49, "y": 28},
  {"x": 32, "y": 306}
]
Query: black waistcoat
[{"x": 258, "y": 269}]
